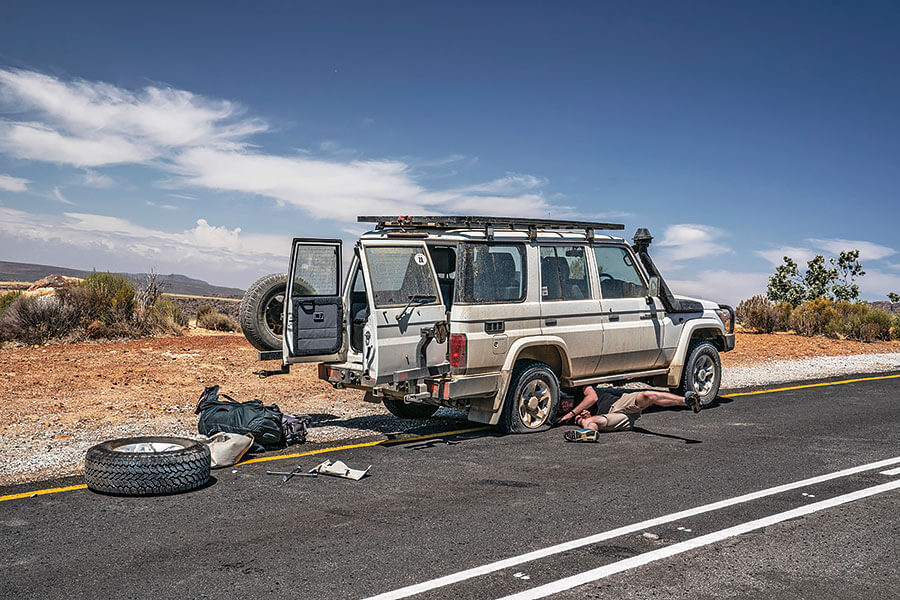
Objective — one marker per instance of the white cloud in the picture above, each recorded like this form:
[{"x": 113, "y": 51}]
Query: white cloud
[
  {"x": 511, "y": 183},
  {"x": 729, "y": 287},
  {"x": 867, "y": 250},
  {"x": 58, "y": 196},
  {"x": 8, "y": 183},
  {"x": 202, "y": 247},
  {"x": 687, "y": 241},
  {"x": 776, "y": 255},
  {"x": 94, "y": 179},
  {"x": 88, "y": 123}
]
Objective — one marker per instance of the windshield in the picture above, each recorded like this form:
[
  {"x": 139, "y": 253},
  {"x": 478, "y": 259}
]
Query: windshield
[{"x": 398, "y": 273}]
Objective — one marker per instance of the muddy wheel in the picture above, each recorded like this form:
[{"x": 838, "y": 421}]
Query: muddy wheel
[
  {"x": 401, "y": 409},
  {"x": 702, "y": 372},
  {"x": 262, "y": 312},
  {"x": 146, "y": 466},
  {"x": 532, "y": 398}
]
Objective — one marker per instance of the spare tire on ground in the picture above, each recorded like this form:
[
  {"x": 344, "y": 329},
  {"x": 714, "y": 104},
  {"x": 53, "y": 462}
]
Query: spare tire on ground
[
  {"x": 147, "y": 466},
  {"x": 262, "y": 312}
]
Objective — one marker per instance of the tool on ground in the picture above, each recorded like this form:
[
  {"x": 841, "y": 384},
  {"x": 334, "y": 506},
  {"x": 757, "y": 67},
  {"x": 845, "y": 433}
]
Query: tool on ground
[
  {"x": 339, "y": 469},
  {"x": 297, "y": 472}
]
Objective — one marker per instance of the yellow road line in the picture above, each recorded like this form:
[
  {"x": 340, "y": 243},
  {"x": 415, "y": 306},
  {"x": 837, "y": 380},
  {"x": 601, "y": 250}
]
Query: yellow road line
[
  {"x": 42, "y": 492},
  {"x": 417, "y": 438},
  {"x": 811, "y": 385}
]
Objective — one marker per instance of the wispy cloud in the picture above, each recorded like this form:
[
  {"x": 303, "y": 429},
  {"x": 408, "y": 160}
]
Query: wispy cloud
[
  {"x": 867, "y": 250},
  {"x": 729, "y": 287},
  {"x": 58, "y": 196},
  {"x": 162, "y": 206},
  {"x": 203, "y": 246},
  {"x": 775, "y": 256},
  {"x": 8, "y": 183},
  {"x": 92, "y": 178},
  {"x": 688, "y": 240},
  {"x": 206, "y": 142}
]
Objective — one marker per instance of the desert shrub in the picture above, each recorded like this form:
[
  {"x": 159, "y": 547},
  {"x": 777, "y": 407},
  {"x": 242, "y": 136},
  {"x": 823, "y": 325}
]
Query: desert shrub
[
  {"x": 758, "y": 313},
  {"x": 869, "y": 325},
  {"x": 7, "y": 299},
  {"x": 110, "y": 299},
  {"x": 215, "y": 321},
  {"x": 97, "y": 329},
  {"x": 203, "y": 310},
  {"x": 895, "y": 328},
  {"x": 783, "y": 316},
  {"x": 817, "y": 317},
  {"x": 37, "y": 319},
  {"x": 165, "y": 317}
]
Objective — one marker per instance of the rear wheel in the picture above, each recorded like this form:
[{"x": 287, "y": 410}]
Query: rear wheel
[
  {"x": 262, "y": 312},
  {"x": 401, "y": 409},
  {"x": 702, "y": 371},
  {"x": 532, "y": 398}
]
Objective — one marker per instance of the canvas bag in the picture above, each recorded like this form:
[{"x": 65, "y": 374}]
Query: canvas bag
[{"x": 246, "y": 418}]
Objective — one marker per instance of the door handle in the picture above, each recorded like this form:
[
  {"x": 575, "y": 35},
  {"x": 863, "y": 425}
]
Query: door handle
[
  {"x": 318, "y": 317},
  {"x": 613, "y": 317},
  {"x": 650, "y": 316},
  {"x": 550, "y": 322}
]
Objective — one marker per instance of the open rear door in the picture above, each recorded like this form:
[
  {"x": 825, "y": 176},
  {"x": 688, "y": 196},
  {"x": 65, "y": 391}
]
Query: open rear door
[{"x": 314, "y": 310}]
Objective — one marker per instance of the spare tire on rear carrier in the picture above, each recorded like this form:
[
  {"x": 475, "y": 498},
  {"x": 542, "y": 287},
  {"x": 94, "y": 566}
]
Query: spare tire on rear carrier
[
  {"x": 262, "y": 311},
  {"x": 147, "y": 466}
]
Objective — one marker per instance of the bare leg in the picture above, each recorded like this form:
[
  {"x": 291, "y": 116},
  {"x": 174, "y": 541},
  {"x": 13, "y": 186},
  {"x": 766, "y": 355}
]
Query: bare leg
[{"x": 653, "y": 398}]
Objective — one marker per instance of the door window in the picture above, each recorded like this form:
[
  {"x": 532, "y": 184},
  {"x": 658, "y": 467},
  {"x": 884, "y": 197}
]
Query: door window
[
  {"x": 399, "y": 273},
  {"x": 492, "y": 273},
  {"x": 564, "y": 274},
  {"x": 619, "y": 277},
  {"x": 315, "y": 271}
]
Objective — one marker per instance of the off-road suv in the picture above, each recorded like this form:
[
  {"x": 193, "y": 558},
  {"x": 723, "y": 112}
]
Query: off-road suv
[{"x": 485, "y": 314}]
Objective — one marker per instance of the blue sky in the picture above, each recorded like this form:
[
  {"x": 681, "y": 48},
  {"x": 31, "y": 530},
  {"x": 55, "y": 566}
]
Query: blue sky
[{"x": 200, "y": 137}]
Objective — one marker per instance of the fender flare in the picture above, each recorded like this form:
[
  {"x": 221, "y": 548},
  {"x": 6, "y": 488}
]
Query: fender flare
[
  {"x": 692, "y": 327},
  {"x": 513, "y": 355}
]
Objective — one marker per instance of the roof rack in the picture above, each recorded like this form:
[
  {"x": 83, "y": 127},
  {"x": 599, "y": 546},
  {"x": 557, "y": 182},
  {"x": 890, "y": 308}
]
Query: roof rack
[{"x": 488, "y": 223}]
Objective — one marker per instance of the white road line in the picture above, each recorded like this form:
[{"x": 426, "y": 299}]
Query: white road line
[
  {"x": 704, "y": 540},
  {"x": 891, "y": 472},
  {"x": 513, "y": 561}
]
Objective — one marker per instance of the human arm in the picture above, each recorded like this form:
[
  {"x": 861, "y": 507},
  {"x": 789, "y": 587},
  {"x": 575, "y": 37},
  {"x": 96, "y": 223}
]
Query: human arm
[{"x": 588, "y": 400}]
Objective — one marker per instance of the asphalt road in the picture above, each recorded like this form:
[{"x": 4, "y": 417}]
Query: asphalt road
[{"x": 633, "y": 508}]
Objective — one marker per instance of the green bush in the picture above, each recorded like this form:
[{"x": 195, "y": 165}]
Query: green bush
[
  {"x": 109, "y": 298},
  {"x": 7, "y": 299},
  {"x": 165, "y": 317},
  {"x": 870, "y": 325},
  {"x": 758, "y": 313},
  {"x": 817, "y": 317},
  {"x": 216, "y": 321},
  {"x": 203, "y": 310}
]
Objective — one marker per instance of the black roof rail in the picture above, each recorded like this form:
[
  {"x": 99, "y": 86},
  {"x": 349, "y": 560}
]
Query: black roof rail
[{"x": 487, "y": 223}]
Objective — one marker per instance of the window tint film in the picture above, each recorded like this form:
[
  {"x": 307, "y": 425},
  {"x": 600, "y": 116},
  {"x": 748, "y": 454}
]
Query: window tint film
[
  {"x": 564, "y": 273},
  {"x": 315, "y": 271},
  {"x": 491, "y": 273},
  {"x": 619, "y": 277},
  {"x": 398, "y": 273}
]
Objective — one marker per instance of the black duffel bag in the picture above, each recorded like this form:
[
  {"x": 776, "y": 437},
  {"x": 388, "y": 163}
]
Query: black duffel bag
[{"x": 228, "y": 415}]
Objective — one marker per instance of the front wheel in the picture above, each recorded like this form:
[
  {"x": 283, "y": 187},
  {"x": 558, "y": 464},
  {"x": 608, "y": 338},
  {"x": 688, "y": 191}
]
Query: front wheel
[
  {"x": 532, "y": 398},
  {"x": 702, "y": 372}
]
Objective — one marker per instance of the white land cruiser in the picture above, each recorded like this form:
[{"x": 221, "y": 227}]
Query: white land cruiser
[{"x": 489, "y": 315}]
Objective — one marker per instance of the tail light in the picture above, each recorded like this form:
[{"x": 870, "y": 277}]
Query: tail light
[{"x": 457, "y": 350}]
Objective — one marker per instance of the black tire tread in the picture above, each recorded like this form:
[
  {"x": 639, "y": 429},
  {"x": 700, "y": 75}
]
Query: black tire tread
[
  {"x": 146, "y": 474},
  {"x": 686, "y": 373},
  {"x": 508, "y": 420},
  {"x": 253, "y": 327}
]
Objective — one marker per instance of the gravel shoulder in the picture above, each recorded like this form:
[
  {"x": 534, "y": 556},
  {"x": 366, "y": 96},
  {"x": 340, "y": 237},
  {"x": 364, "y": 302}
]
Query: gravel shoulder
[{"x": 58, "y": 400}]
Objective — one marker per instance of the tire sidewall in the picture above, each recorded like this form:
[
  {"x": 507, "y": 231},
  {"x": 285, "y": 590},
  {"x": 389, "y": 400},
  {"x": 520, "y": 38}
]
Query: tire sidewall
[
  {"x": 696, "y": 351},
  {"x": 522, "y": 376},
  {"x": 253, "y": 308},
  {"x": 402, "y": 410}
]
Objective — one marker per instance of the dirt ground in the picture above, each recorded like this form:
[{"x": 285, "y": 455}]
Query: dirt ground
[{"x": 58, "y": 399}]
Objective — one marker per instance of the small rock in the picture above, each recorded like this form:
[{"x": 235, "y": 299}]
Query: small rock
[{"x": 650, "y": 536}]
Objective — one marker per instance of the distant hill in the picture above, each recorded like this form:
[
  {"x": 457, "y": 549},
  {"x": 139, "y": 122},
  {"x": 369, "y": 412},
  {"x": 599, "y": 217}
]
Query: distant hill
[{"x": 172, "y": 283}]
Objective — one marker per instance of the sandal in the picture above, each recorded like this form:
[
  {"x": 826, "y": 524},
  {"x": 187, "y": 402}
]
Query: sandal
[{"x": 581, "y": 435}]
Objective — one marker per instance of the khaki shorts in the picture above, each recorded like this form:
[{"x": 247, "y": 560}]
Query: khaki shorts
[{"x": 623, "y": 412}]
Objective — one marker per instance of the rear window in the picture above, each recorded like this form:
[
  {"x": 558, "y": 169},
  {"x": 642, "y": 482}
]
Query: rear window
[
  {"x": 397, "y": 273},
  {"x": 315, "y": 270},
  {"x": 491, "y": 273}
]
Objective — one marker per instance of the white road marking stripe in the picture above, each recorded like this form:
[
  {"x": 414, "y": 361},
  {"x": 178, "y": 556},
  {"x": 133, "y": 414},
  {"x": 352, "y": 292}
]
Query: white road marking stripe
[
  {"x": 418, "y": 588},
  {"x": 704, "y": 540},
  {"x": 891, "y": 472}
]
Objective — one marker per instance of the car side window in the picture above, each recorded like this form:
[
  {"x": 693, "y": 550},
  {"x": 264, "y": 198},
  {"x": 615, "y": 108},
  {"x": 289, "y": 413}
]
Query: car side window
[
  {"x": 491, "y": 273},
  {"x": 564, "y": 274},
  {"x": 619, "y": 277}
]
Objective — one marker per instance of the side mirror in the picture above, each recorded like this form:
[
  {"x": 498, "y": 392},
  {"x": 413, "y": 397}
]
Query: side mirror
[{"x": 654, "y": 286}]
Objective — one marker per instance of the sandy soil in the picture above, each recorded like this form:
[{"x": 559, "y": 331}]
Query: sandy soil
[{"x": 56, "y": 400}]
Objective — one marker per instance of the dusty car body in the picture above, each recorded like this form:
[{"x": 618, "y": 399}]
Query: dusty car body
[{"x": 493, "y": 316}]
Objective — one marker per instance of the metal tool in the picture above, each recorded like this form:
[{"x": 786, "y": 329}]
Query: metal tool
[{"x": 286, "y": 476}]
